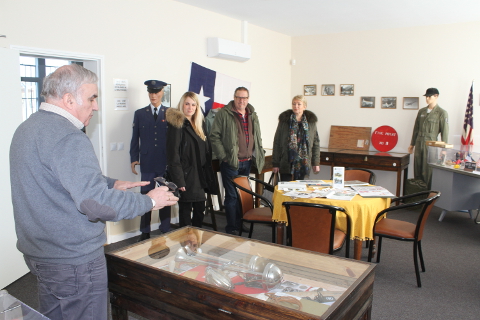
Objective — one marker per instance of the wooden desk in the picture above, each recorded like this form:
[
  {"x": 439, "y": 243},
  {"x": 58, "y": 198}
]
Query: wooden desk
[
  {"x": 149, "y": 279},
  {"x": 362, "y": 212},
  {"x": 384, "y": 161}
]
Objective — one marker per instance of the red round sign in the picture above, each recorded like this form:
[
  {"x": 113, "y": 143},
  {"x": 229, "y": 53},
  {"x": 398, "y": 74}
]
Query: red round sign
[{"x": 384, "y": 138}]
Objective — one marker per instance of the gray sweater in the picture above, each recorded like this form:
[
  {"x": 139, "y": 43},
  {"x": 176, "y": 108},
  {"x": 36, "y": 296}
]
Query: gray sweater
[{"x": 57, "y": 186}]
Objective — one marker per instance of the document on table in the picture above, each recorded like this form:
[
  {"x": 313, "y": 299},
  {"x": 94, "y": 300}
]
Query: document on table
[{"x": 374, "y": 192}]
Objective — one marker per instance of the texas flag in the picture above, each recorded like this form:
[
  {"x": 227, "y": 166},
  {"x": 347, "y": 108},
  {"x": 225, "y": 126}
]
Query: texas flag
[{"x": 214, "y": 89}]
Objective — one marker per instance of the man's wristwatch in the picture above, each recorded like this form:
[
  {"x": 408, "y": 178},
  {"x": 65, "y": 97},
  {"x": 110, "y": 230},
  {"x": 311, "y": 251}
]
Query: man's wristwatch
[{"x": 154, "y": 203}]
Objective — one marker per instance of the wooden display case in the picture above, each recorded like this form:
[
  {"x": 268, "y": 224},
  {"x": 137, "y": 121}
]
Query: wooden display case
[{"x": 193, "y": 273}]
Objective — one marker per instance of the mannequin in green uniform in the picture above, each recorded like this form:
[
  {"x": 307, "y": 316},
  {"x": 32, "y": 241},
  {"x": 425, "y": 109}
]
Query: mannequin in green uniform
[{"x": 430, "y": 121}]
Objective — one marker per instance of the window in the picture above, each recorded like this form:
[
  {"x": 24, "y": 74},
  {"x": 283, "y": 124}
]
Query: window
[{"x": 32, "y": 72}]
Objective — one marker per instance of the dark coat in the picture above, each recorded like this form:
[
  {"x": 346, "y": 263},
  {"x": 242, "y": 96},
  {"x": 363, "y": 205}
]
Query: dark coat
[
  {"x": 280, "y": 142},
  {"x": 148, "y": 145},
  {"x": 183, "y": 157}
]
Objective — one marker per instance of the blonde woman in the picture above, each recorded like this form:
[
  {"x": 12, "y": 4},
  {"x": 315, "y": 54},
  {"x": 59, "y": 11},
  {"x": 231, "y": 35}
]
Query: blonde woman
[
  {"x": 189, "y": 158},
  {"x": 296, "y": 146}
]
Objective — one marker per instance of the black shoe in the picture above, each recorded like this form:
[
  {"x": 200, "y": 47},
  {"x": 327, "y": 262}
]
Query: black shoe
[
  {"x": 245, "y": 228},
  {"x": 144, "y": 236},
  {"x": 233, "y": 232}
]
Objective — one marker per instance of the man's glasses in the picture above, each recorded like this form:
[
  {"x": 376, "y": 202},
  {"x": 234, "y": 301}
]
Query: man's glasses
[{"x": 241, "y": 98}]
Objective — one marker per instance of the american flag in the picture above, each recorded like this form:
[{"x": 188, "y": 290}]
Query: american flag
[{"x": 467, "y": 135}]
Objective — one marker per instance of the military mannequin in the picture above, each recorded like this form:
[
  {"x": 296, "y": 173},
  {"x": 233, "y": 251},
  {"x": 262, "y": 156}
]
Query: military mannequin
[
  {"x": 430, "y": 121},
  {"x": 148, "y": 149}
]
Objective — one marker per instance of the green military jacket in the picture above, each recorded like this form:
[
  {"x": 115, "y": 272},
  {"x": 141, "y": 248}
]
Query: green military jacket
[
  {"x": 429, "y": 125},
  {"x": 224, "y": 137},
  {"x": 282, "y": 135}
]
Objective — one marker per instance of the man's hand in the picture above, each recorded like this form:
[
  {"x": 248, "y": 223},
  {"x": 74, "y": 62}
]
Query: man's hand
[
  {"x": 410, "y": 149},
  {"x": 316, "y": 169},
  {"x": 124, "y": 185},
  {"x": 162, "y": 197},
  {"x": 275, "y": 169},
  {"x": 133, "y": 166}
]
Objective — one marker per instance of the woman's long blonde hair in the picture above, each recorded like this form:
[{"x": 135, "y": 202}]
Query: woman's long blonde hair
[{"x": 197, "y": 117}]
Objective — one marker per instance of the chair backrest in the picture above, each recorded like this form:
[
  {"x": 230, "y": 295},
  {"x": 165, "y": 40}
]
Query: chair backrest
[
  {"x": 360, "y": 174},
  {"x": 246, "y": 200},
  {"x": 425, "y": 212},
  {"x": 311, "y": 226}
]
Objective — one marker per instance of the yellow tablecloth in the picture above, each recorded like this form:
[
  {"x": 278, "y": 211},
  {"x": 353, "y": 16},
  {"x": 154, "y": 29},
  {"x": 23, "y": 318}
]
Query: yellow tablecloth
[{"x": 362, "y": 212}]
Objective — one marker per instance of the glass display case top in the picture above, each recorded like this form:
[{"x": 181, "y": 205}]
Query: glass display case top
[{"x": 294, "y": 278}]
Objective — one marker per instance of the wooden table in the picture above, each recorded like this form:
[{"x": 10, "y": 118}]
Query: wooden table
[
  {"x": 362, "y": 212},
  {"x": 384, "y": 161},
  {"x": 157, "y": 280}
]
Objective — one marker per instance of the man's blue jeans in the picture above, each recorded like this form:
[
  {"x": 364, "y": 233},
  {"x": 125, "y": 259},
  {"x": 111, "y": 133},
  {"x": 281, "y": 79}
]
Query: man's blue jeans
[{"x": 232, "y": 208}]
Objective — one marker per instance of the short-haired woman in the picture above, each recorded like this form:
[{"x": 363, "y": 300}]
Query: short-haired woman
[{"x": 296, "y": 146}]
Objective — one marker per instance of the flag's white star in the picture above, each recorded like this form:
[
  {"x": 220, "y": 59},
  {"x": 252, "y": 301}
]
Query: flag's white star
[{"x": 202, "y": 99}]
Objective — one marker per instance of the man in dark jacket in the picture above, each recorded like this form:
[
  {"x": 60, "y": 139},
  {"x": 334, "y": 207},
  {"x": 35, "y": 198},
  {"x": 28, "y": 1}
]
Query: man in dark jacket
[
  {"x": 236, "y": 141},
  {"x": 148, "y": 149}
]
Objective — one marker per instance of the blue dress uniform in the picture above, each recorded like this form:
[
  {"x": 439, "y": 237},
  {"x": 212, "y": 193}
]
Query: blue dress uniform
[{"x": 148, "y": 146}]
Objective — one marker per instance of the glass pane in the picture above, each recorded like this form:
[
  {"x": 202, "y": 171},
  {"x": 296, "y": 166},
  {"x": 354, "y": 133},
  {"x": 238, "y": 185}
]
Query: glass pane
[
  {"x": 29, "y": 98},
  {"x": 53, "y": 64},
  {"x": 28, "y": 66}
]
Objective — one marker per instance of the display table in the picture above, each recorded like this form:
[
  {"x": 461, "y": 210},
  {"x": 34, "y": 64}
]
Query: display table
[
  {"x": 193, "y": 273},
  {"x": 460, "y": 189},
  {"x": 384, "y": 161},
  {"x": 362, "y": 212}
]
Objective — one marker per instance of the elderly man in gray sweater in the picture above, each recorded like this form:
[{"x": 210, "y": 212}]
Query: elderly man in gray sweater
[{"x": 61, "y": 199}]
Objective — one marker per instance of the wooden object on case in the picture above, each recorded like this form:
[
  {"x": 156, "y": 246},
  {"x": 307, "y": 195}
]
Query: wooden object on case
[
  {"x": 137, "y": 284},
  {"x": 352, "y": 138}
]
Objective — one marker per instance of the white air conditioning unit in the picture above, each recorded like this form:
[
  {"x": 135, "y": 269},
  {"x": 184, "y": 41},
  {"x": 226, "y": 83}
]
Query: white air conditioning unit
[{"x": 226, "y": 49}]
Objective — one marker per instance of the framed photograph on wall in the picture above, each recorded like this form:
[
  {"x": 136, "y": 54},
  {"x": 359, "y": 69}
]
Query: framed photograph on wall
[
  {"x": 410, "y": 103},
  {"x": 310, "y": 90},
  {"x": 346, "y": 89},
  {"x": 328, "y": 89},
  {"x": 167, "y": 95},
  {"x": 389, "y": 102},
  {"x": 367, "y": 102}
]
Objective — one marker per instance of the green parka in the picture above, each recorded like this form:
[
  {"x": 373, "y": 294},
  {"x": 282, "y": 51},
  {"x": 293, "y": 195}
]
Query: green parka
[
  {"x": 224, "y": 137},
  {"x": 280, "y": 142}
]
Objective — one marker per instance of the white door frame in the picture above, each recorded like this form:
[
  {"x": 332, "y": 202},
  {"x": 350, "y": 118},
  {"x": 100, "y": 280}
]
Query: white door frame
[{"x": 96, "y": 66}]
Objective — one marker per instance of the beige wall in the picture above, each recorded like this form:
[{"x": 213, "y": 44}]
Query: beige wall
[
  {"x": 143, "y": 40},
  {"x": 399, "y": 63}
]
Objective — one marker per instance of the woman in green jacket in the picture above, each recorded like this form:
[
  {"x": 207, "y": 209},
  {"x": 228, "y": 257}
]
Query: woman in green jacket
[{"x": 296, "y": 147}]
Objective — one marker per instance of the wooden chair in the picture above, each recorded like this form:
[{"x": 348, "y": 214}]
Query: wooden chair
[
  {"x": 246, "y": 200},
  {"x": 311, "y": 226},
  {"x": 402, "y": 230},
  {"x": 360, "y": 174}
]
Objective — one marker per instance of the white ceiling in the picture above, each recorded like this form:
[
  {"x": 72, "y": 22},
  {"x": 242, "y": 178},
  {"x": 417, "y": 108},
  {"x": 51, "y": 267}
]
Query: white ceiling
[{"x": 307, "y": 17}]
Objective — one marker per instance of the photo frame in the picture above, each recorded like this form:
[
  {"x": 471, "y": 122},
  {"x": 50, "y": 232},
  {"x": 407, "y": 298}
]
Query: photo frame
[
  {"x": 389, "y": 102},
  {"x": 310, "y": 90},
  {"x": 167, "y": 96},
  {"x": 411, "y": 103},
  {"x": 367, "y": 102},
  {"x": 328, "y": 89},
  {"x": 346, "y": 89}
]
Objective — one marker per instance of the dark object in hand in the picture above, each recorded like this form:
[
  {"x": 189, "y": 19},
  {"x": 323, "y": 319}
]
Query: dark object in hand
[{"x": 161, "y": 181}]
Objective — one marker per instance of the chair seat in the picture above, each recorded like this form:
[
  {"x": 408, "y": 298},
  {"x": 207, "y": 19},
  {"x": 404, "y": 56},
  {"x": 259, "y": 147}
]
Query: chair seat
[
  {"x": 395, "y": 228},
  {"x": 258, "y": 214},
  {"x": 338, "y": 239}
]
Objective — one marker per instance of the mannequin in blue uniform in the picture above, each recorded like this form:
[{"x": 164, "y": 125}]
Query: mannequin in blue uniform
[{"x": 148, "y": 149}]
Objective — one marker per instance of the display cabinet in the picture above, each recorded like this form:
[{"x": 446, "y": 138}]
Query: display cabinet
[
  {"x": 455, "y": 173},
  {"x": 193, "y": 273}
]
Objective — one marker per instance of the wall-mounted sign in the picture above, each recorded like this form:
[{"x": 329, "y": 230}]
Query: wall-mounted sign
[{"x": 384, "y": 138}]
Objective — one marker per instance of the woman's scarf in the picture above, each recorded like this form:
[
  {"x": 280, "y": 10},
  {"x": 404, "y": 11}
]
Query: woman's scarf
[{"x": 298, "y": 147}]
